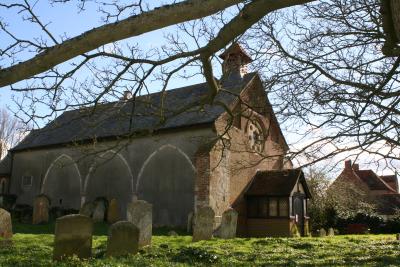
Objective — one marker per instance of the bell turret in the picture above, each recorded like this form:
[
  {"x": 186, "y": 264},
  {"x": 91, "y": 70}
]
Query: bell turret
[{"x": 234, "y": 66}]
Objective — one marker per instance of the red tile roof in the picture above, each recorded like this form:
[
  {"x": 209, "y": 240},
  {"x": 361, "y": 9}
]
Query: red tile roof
[
  {"x": 392, "y": 181},
  {"x": 373, "y": 181}
]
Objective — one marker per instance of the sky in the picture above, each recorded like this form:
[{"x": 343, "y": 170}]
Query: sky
[{"x": 64, "y": 20}]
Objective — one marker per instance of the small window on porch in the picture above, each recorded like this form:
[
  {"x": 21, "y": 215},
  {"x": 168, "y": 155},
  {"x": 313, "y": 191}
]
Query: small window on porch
[
  {"x": 273, "y": 207},
  {"x": 283, "y": 207},
  {"x": 267, "y": 207},
  {"x": 27, "y": 180}
]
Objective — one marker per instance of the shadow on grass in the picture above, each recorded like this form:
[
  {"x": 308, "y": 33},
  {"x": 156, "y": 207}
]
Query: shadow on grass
[{"x": 98, "y": 230}]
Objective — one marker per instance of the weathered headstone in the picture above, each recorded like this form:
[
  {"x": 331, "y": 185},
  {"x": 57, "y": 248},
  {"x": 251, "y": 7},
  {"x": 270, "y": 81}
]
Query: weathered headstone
[
  {"x": 228, "y": 225},
  {"x": 113, "y": 212},
  {"x": 331, "y": 232},
  {"x": 203, "y": 223},
  {"x": 139, "y": 213},
  {"x": 73, "y": 236},
  {"x": 5, "y": 224},
  {"x": 322, "y": 232},
  {"x": 99, "y": 211},
  {"x": 123, "y": 238},
  {"x": 189, "y": 227},
  {"x": 172, "y": 233},
  {"x": 88, "y": 209},
  {"x": 41, "y": 206}
]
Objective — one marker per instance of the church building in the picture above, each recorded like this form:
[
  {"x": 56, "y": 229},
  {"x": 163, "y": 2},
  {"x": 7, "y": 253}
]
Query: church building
[{"x": 174, "y": 152}]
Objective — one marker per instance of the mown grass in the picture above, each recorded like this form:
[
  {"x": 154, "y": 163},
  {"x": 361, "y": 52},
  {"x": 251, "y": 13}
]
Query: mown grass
[{"x": 32, "y": 246}]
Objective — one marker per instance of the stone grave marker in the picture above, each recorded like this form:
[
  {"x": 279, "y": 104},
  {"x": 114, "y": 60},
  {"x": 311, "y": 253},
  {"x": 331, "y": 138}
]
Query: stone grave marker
[
  {"x": 322, "y": 232},
  {"x": 123, "y": 238},
  {"x": 139, "y": 212},
  {"x": 41, "y": 207},
  {"x": 73, "y": 236},
  {"x": 331, "y": 232},
  {"x": 113, "y": 212},
  {"x": 87, "y": 209},
  {"x": 203, "y": 223},
  {"x": 228, "y": 225},
  {"x": 99, "y": 211},
  {"x": 5, "y": 224},
  {"x": 189, "y": 226}
]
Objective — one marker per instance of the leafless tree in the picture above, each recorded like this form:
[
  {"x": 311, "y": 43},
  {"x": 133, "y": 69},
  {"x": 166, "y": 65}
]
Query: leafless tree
[
  {"x": 331, "y": 84},
  {"x": 11, "y": 131},
  {"x": 322, "y": 63}
]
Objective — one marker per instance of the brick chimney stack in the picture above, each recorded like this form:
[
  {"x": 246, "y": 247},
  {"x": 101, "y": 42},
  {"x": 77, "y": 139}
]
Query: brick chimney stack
[
  {"x": 356, "y": 167},
  {"x": 347, "y": 165}
]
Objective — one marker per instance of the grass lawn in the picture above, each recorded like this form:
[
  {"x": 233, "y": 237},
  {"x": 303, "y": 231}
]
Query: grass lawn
[{"x": 32, "y": 246}]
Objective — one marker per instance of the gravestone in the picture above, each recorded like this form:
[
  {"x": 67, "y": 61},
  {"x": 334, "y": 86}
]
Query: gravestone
[
  {"x": 88, "y": 209},
  {"x": 99, "y": 211},
  {"x": 139, "y": 212},
  {"x": 5, "y": 224},
  {"x": 73, "y": 236},
  {"x": 113, "y": 212},
  {"x": 123, "y": 238},
  {"x": 41, "y": 206},
  {"x": 322, "y": 232},
  {"x": 228, "y": 224},
  {"x": 189, "y": 227},
  {"x": 331, "y": 232},
  {"x": 203, "y": 223},
  {"x": 172, "y": 233}
]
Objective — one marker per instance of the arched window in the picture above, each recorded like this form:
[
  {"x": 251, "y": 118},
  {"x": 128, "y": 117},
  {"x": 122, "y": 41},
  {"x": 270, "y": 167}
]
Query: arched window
[{"x": 255, "y": 136}]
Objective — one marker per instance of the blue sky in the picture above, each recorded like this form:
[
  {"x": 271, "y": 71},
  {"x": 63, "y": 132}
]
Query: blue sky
[{"x": 64, "y": 19}]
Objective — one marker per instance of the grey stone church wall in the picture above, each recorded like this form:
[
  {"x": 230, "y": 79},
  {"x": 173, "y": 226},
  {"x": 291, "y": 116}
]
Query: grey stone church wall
[{"x": 158, "y": 169}]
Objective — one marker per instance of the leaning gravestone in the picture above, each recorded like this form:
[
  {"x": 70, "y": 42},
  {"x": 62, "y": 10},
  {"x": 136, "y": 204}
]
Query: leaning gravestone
[
  {"x": 123, "y": 238},
  {"x": 99, "y": 211},
  {"x": 113, "y": 211},
  {"x": 73, "y": 236},
  {"x": 203, "y": 223},
  {"x": 322, "y": 232},
  {"x": 228, "y": 224},
  {"x": 5, "y": 224},
  {"x": 331, "y": 232},
  {"x": 88, "y": 209},
  {"x": 189, "y": 226},
  {"x": 139, "y": 212},
  {"x": 40, "y": 210}
]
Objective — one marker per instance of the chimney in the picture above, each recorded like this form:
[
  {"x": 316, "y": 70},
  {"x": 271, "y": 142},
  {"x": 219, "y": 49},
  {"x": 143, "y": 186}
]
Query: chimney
[
  {"x": 356, "y": 167},
  {"x": 127, "y": 95},
  {"x": 347, "y": 165},
  {"x": 234, "y": 66}
]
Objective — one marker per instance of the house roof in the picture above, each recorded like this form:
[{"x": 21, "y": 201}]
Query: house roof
[
  {"x": 276, "y": 183},
  {"x": 115, "y": 119},
  {"x": 392, "y": 181},
  {"x": 373, "y": 181}
]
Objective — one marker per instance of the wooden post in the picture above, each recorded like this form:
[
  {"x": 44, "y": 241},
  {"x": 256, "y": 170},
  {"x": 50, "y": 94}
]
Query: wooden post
[{"x": 398, "y": 237}]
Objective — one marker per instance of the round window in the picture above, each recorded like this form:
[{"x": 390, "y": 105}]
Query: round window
[{"x": 255, "y": 136}]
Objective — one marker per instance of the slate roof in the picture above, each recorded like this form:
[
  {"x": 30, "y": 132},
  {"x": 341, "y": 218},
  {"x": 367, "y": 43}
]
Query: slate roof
[
  {"x": 276, "y": 183},
  {"x": 116, "y": 120}
]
